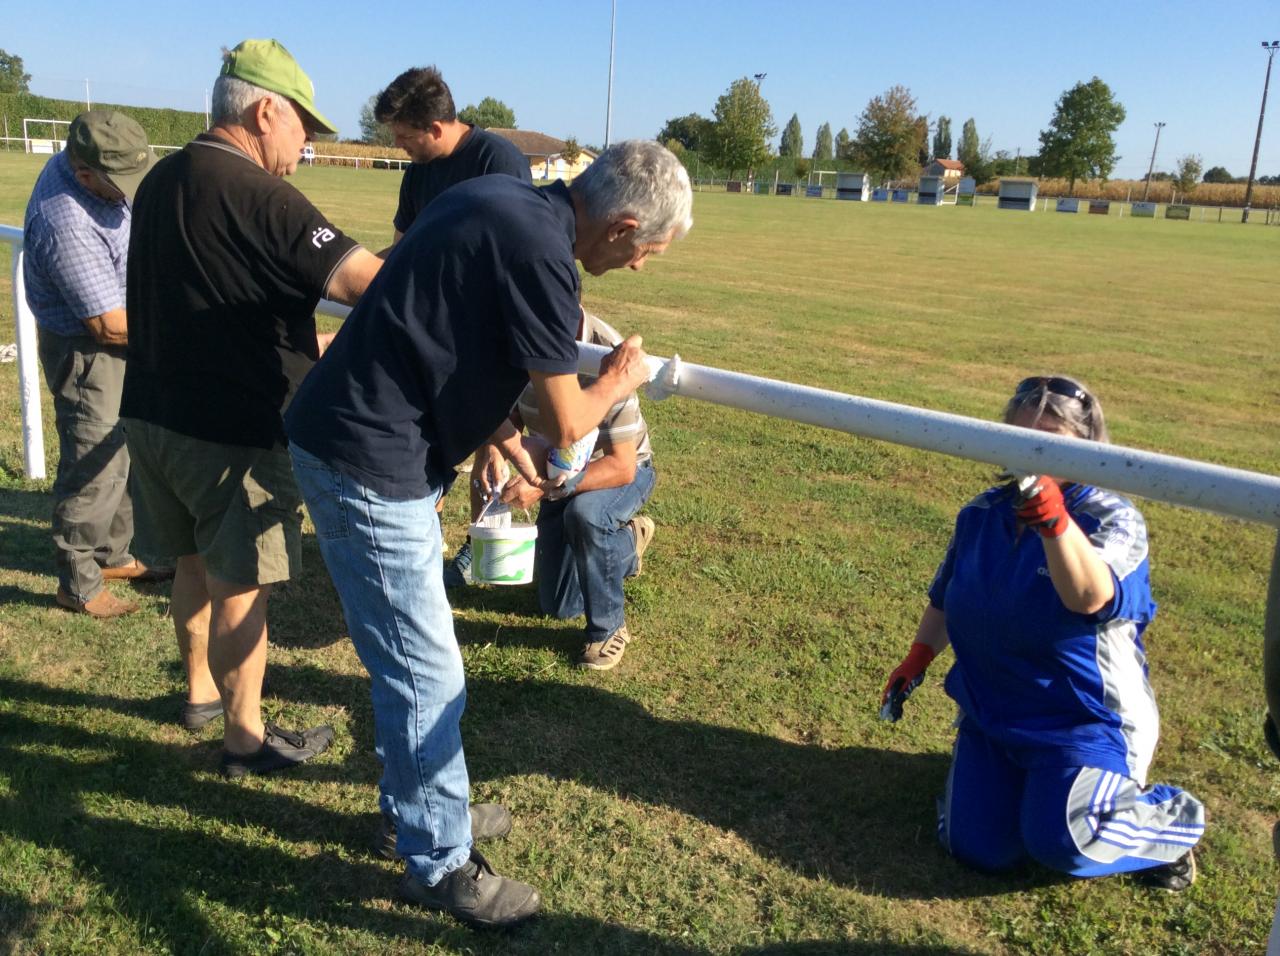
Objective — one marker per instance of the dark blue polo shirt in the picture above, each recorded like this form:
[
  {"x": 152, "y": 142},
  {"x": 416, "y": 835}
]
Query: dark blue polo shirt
[
  {"x": 480, "y": 153},
  {"x": 482, "y": 289}
]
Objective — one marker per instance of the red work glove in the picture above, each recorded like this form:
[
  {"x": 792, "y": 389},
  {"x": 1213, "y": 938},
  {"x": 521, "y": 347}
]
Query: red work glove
[
  {"x": 1045, "y": 510},
  {"x": 905, "y": 678}
]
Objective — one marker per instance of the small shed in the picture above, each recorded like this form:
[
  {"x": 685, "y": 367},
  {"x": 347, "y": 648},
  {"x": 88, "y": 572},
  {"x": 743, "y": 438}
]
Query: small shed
[
  {"x": 930, "y": 191},
  {"x": 855, "y": 186},
  {"x": 1018, "y": 194}
]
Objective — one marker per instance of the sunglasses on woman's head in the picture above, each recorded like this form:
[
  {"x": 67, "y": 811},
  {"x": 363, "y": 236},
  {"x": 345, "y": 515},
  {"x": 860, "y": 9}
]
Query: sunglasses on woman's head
[{"x": 1057, "y": 386}]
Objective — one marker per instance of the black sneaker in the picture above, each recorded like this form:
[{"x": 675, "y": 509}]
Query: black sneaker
[
  {"x": 280, "y": 749},
  {"x": 489, "y": 821},
  {"x": 474, "y": 894},
  {"x": 196, "y": 716},
  {"x": 1173, "y": 877}
]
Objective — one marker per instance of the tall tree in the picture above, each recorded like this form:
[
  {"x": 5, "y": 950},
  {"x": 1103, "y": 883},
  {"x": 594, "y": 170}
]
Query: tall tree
[
  {"x": 489, "y": 114},
  {"x": 792, "y": 139},
  {"x": 371, "y": 131},
  {"x": 942, "y": 138},
  {"x": 822, "y": 147},
  {"x": 1078, "y": 143},
  {"x": 844, "y": 145},
  {"x": 1188, "y": 175},
  {"x": 1218, "y": 174},
  {"x": 975, "y": 153},
  {"x": 922, "y": 140},
  {"x": 691, "y": 131},
  {"x": 888, "y": 140},
  {"x": 12, "y": 77},
  {"x": 743, "y": 127},
  {"x": 967, "y": 152}
]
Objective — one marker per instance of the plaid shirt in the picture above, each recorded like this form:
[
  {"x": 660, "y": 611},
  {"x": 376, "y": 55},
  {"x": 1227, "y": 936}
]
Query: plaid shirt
[{"x": 76, "y": 247}]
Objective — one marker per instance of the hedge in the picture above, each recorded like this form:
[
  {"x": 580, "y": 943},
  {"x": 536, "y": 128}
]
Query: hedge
[{"x": 163, "y": 127}]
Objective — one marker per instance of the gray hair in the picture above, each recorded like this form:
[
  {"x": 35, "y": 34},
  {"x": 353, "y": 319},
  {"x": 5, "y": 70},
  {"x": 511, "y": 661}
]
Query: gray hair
[
  {"x": 642, "y": 179},
  {"x": 232, "y": 96},
  {"x": 1084, "y": 419}
]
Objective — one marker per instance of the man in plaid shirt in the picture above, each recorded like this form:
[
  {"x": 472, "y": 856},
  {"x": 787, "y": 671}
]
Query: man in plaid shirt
[{"x": 76, "y": 241}]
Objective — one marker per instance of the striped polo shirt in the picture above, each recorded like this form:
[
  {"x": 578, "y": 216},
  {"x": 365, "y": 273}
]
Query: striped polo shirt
[{"x": 624, "y": 423}]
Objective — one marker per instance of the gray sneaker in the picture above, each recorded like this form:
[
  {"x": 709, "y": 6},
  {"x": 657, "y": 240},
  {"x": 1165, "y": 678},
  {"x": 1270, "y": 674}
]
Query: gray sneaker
[
  {"x": 489, "y": 821},
  {"x": 474, "y": 894},
  {"x": 457, "y": 570},
  {"x": 643, "y": 528},
  {"x": 604, "y": 655}
]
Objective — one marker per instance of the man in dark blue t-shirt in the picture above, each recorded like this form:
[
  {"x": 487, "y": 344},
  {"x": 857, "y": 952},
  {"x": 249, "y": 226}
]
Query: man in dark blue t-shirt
[
  {"x": 479, "y": 299},
  {"x": 419, "y": 110}
]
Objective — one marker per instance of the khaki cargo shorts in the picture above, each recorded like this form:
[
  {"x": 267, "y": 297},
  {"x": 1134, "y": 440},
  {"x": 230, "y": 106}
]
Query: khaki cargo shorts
[{"x": 235, "y": 506}]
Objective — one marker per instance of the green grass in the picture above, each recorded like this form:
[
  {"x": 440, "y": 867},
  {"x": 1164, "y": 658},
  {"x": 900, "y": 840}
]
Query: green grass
[{"x": 729, "y": 789}]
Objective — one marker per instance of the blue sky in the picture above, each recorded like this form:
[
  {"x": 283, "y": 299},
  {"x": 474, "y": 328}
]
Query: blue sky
[{"x": 1201, "y": 73}]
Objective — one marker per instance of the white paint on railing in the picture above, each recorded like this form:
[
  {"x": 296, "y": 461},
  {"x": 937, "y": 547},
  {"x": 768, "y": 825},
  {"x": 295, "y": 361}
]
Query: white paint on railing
[{"x": 24, "y": 324}]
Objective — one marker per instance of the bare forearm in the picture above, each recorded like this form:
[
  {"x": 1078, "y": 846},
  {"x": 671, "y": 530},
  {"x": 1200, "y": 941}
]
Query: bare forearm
[
  {"x": 933, "y": 630},
  {"x": 1081, "y": 578},
  {"x": 109, "y": 328},
  {"x": 609, "y": 471}
]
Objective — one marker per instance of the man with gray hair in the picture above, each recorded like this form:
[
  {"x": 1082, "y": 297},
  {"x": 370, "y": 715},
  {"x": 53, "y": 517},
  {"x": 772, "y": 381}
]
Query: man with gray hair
[
  {"x": 226, "y": 264},
  {"x": 478, "y": 299},
  {"x": 76, "y": 235}
]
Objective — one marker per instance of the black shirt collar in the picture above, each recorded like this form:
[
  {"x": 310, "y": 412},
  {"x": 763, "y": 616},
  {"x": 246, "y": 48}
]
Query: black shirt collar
[{"x": 562, "y": 208}]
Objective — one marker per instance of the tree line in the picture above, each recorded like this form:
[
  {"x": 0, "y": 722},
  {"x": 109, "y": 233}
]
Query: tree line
[{"x": 891, "y": 140}]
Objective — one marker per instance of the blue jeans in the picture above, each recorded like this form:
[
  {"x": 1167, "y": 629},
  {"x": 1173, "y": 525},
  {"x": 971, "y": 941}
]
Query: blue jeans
[
  {"x": 384, "y": 556},
  {"x": 585, "y": 549}
]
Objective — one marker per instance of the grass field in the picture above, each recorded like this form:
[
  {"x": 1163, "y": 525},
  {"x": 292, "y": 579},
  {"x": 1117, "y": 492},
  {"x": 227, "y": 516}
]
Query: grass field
[{"x": 728, "y": 789}]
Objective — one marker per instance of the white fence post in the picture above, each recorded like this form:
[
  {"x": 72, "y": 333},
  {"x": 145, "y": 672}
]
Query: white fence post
[{"x": 24, "y": 324}]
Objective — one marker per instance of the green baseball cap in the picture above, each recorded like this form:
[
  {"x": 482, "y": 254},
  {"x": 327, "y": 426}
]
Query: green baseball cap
[
  {"x": 113, "y": 144},
  {"x": 266, "y": 63}
]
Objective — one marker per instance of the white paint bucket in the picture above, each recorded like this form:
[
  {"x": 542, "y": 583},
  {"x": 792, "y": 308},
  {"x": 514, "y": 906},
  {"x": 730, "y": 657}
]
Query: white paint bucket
[{"x": 503, "y": 555}]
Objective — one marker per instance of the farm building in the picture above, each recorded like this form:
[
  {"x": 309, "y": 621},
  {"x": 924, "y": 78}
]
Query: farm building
[
  {"x": 544, "y": 154},
  {"x": 950, "y": 169}
]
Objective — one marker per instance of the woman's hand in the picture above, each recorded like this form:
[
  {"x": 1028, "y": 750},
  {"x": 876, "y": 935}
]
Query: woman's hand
[
  {"x": 905, "y": 678},
  {"x": 1045, "y": 509}
]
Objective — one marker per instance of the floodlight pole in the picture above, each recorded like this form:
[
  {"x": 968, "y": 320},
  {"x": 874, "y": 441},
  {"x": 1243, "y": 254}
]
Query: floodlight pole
[
  {"x": 1150, "y": 169},
  {"x": 608, "y": 112},
  {"x": 1257, "y": 140},
  {"x": 87, "y": 105}
]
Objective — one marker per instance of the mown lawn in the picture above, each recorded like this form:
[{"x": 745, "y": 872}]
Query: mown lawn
[{"x": 728, "y": 789}]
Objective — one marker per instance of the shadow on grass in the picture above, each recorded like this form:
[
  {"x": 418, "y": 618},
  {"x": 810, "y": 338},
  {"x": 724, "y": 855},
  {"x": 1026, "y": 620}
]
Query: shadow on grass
[
  {"x": 291, "y": 870},
  {"x": 857, "y": 816},
  {"x": 25, "y": 541}
]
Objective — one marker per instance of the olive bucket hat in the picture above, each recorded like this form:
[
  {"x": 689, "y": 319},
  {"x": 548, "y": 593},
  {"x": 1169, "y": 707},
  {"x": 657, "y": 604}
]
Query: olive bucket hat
[
  {"x": 113, "y": 144},
  {"x": 266, "y": 63}
]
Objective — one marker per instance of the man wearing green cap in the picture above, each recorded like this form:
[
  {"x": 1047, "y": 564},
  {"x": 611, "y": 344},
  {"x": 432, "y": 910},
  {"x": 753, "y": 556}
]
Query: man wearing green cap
[
  {"x": 76, "y": 237},
  {"x": 226, "y": 266}
]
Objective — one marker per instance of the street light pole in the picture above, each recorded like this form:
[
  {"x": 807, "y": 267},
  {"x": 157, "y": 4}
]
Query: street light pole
[
  {"x": 1150, "y": 169},
  {"x": 1257, "y": 140},
  {"x": 608, "y": 113}
]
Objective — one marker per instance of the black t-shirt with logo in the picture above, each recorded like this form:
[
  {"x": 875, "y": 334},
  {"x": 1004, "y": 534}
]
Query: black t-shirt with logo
[
  {"x": 226, "y": 264},
  {"x": 480, "y": 153},
  {"x": 482, "y": 289}
]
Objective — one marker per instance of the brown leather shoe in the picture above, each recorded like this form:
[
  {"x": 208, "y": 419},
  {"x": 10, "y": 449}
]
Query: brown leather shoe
[
  {"x": 103, "y": 604},
  {"x": 135, "y": 570}
]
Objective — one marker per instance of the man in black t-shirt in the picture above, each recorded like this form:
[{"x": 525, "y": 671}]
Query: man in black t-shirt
[
  {"x": 479, "y": 299},
  {"x": 226, "y": 264},
  {"x": 418, "y": 108}
]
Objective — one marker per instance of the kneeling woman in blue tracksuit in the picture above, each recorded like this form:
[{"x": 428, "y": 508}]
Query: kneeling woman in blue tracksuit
[{"x": 1044, "y": 595}]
